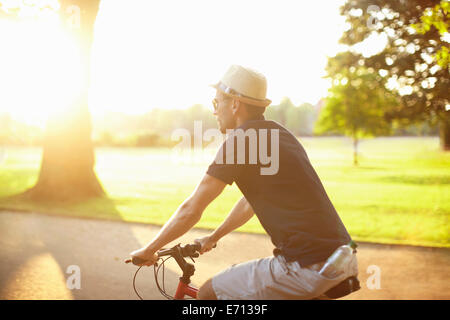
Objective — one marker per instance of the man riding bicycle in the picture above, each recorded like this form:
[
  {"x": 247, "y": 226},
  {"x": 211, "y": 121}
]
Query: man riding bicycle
[{"x": 282, "y": 189}]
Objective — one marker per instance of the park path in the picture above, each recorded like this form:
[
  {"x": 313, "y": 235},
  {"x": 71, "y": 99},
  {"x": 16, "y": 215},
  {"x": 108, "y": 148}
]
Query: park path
[{"x": 36, "y": 251}]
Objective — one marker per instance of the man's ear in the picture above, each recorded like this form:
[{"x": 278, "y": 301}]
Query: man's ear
[{"x": 235, "y": 107}]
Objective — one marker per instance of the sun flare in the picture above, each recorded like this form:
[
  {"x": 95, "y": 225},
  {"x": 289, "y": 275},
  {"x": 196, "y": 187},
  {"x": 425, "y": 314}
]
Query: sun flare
[{"x": 40, "y": 69}]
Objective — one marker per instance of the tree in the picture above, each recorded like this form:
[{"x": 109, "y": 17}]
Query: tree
[
  {"x": 436, "y": 17},
  {"x": 67, "y": 167},
  {"x": 280, "y": 112},
  {"x": 306, "y": 118},
  {"x": 414, "y": 59},
  {"x": 298, "y": 119},
  {"x": 356, "y": 106}
]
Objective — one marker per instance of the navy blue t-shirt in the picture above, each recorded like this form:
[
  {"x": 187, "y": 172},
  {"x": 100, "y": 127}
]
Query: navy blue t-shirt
[{"x": 283, "y": 189}]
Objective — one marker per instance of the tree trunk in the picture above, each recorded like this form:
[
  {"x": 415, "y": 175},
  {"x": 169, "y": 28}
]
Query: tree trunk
[
  {"x": 67, "y": 168},
  {"x": 355, "y": 151},
  {"x": 444, "y": 133}
]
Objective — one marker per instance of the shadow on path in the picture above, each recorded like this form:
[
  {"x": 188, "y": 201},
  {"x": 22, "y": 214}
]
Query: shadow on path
[{"x": 36, "y": 251}]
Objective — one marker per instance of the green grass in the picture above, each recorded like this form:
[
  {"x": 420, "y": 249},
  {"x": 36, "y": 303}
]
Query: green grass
[{"x": 400, "y": 193}]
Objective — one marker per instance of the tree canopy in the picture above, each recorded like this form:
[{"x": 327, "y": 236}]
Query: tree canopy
[{"x": 415, "y": 58}]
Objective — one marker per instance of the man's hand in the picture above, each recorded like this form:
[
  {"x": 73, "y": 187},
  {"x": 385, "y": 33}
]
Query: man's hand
[
  {"x": 143, "y": 257},
  {"x": 207, "y": 243}
]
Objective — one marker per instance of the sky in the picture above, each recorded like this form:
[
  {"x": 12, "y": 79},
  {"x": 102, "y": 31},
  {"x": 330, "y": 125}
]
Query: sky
[{"x": 164, "y": 54}]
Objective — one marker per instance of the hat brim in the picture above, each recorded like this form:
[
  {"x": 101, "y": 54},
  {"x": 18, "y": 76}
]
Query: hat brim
[{"x": 254, "y": 102}]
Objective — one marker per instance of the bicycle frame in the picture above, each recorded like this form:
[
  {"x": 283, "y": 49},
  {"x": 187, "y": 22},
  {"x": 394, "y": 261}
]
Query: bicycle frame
[{"x": 185, "y": 289}]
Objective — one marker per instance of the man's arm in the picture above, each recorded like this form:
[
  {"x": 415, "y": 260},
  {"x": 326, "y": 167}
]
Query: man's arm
[
  {"x": 240, "y": 214},
  {"x": 186, "y": 216}
]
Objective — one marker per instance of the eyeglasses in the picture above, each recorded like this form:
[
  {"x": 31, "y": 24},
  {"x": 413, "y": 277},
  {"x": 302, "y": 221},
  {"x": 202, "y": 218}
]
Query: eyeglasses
[{"x": 215, "y": 104}]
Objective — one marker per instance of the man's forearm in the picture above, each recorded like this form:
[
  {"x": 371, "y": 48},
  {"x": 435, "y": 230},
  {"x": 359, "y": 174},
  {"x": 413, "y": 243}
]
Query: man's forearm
[
  {"x": 240, "y": 214},
  {"x": 186, "y": 216},
  {"x": 189, "y": 213}
]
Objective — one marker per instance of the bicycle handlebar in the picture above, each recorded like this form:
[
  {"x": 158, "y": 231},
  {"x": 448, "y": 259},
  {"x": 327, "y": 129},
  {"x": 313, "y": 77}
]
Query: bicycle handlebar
[{"x": 188, "y": 250}]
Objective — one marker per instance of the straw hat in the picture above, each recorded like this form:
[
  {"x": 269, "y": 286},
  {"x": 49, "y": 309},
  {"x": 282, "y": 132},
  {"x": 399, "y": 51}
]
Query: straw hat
[{"x": 244, "y": 84}]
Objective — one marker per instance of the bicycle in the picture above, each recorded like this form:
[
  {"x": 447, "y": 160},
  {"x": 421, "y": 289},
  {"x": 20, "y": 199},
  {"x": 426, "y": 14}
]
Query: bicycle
[{"x": 178, "y": 252}]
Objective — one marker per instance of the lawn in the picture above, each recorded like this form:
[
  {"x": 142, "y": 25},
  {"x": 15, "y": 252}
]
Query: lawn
[{"x": 400, "y": 193}]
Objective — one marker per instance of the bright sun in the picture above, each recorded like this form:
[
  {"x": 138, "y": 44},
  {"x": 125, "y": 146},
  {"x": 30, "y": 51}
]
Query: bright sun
[{"x": 39, "y": 69}]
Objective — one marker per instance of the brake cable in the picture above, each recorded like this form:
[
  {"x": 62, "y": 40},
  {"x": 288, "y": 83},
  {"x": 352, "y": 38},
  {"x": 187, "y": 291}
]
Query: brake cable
[
  {"x": 134, "y": 282},
  {"x": 156, "y": 271}
]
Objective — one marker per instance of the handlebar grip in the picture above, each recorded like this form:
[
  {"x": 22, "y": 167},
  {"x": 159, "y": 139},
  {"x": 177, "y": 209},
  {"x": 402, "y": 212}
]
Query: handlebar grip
[
  {"x": 196, "y": 246},
  {"x": 165, "y": 252},
  {"x": 189, "y": 250},
  {"x": 137, "y": 261}
]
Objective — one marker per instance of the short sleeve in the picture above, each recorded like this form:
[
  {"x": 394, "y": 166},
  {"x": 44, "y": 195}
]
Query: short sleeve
[{"x": 225, "y": 167}]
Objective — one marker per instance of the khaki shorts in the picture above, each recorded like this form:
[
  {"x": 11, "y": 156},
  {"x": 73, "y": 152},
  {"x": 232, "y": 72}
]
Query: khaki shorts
[{"x": 273, "y": 278}]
